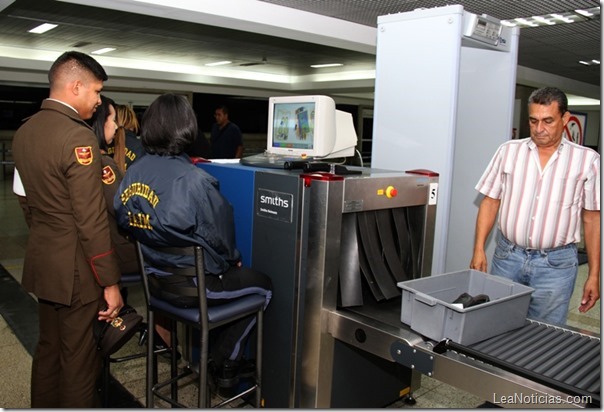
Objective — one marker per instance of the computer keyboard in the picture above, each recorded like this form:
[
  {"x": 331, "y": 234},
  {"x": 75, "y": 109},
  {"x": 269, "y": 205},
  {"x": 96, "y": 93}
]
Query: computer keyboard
[{"x": 273, "y": 161}]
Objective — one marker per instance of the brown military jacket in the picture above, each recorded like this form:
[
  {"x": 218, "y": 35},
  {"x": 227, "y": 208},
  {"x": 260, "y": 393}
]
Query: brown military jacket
[{"x": 59, "y": 161}]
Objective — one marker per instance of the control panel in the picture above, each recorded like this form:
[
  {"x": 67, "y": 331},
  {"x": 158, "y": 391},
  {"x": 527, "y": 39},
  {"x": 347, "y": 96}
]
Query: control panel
[{"x": 483, "y": 28}]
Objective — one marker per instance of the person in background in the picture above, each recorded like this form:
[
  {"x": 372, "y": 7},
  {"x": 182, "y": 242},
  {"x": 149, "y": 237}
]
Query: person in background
[
  {"x": 126, "y": 138},
  {"x": 104, "y": 124},
  {"x": 543, "y": 187},
  {"x": 225, "y": 137},
  {"x": 69, "y": 262},
  {"x": 186, "y": 208}
]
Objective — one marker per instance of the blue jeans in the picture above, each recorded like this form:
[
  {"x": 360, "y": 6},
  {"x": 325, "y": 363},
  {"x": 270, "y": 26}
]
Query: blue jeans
[{"x": 551, "y": 272}]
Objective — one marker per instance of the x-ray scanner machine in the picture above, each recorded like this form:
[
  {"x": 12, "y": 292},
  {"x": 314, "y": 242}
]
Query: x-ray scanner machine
[
  {"x": 444, "y": 97},
  {"x": 336, "y": 244}
]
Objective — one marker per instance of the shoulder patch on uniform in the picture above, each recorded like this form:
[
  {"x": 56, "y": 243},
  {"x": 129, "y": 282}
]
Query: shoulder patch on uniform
[
  {"x": 108, "y": 175},
  {"x": 83, "y": 155}
]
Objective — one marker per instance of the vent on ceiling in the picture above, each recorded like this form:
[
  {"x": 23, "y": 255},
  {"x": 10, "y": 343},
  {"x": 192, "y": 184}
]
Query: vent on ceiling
[
  {"x": 264, "y": 61},
  {"x": 81, "y": 44}
]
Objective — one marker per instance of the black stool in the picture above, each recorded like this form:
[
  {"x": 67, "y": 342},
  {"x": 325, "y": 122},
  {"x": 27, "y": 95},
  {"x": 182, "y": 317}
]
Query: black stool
[{"x": 203, "y": 318}]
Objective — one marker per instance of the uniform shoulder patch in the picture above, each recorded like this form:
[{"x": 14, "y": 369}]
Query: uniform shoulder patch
[
  {"x": 83, "y": 155},
  {"x": 108, "y": 175}
]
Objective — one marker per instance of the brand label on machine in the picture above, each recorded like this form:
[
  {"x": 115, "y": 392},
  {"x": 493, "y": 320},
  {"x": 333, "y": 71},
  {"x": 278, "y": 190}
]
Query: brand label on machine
[{"x": 275, "y": 205}]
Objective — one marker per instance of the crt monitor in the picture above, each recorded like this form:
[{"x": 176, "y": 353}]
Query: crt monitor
[{"x": 309, "y": 126}]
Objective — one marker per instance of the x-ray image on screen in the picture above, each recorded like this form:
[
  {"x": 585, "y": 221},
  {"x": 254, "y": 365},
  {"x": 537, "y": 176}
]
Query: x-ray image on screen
[{"x": 293, "y": 125}]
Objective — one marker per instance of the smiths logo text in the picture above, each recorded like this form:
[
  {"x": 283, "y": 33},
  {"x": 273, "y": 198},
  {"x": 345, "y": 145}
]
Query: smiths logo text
[
  {"x": 275, "y": 205},
  {"x": 275, "y": 200}
]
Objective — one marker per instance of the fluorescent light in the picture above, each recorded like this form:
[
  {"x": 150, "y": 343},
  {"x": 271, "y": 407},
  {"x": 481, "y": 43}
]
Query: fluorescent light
[
  {"x": 584, "y": 13},
  {"x": 526, "y": 22},
  {"x": 321, "y": 66},
  {"x": 221, "y": 63},
  {"x": 103, "y": 50},
  {"x": 43, "y": 28},
  {"x": 542, "y": 19},
  {"x": 594, "y": 11},
  {"x": 581, "y": 101},
  {"x": 592, "y": 62},
  {"x": 562, "y": 18}
]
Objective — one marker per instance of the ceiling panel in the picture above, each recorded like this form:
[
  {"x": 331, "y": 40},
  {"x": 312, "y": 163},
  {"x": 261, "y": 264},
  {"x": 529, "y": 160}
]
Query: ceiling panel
[
  {"x": 563, "y": 42},
  {"x": 554, "y": 49}
]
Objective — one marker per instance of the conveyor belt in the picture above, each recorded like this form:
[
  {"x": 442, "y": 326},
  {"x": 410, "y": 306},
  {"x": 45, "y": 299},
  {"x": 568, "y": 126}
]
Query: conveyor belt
[{"x": 559, "y": 358}]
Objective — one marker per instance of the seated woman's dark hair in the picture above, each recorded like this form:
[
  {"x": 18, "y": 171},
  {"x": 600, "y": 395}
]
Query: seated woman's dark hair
[{"x": 169, "y": 125}]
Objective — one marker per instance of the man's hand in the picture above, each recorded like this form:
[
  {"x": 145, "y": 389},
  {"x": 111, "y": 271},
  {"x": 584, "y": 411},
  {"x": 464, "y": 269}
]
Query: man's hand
[
  {"x": 114, "y": 301},
  {"x": 479, "y": 261},
  {"x": 591, "y": 294},
  {"x": 487, "y": 214}
]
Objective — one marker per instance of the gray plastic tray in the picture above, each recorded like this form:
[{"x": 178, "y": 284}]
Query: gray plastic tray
[{"x": 427, "y": 306}]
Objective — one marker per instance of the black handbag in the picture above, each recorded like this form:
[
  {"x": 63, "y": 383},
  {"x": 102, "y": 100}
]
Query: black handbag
[{"x": 111, "y": 336}]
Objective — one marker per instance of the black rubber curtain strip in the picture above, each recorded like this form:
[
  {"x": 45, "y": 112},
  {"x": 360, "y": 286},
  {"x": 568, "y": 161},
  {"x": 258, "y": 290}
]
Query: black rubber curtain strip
[
  {"x": 373, "y": 251},
  {"x": 405, "y": 243},
  {"x": 385, "y": 226},
  {"x": 366, "y": 270},
  {"x": 350, "y": 270}
]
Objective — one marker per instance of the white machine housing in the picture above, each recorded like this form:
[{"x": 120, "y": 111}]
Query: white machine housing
[{"x": 444, "y": 100}]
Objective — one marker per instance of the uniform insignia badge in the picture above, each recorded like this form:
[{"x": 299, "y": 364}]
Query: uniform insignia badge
[
  {"x": 108, "y": 175},
  {"x": 84, "y": 155}
]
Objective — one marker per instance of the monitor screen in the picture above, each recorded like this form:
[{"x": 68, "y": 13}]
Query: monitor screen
[
  {"x": 309, "y": 127},
  {"x": 294, "y": 125},
  {"x": 301, "y": 126}
]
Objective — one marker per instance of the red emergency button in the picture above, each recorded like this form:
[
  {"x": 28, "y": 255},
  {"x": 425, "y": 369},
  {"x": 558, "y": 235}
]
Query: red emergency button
[{"x": 391, "y": 192}]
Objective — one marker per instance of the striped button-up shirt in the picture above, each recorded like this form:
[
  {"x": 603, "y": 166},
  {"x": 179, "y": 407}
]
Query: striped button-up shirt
[{"x": 542, "y": 208}]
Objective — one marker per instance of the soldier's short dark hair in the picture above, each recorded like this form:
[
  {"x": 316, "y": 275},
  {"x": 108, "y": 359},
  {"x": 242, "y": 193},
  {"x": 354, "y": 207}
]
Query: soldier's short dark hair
[{"x": 77, "y": 60}]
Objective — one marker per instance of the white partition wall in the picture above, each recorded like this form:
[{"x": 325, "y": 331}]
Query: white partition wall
[{"x": 444, "y": 102}]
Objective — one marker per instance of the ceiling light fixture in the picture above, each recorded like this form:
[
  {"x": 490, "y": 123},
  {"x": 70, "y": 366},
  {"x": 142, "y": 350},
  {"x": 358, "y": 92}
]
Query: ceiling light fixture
[
  {"x": 589, "y": 12},
  {"x": 103, "y": 50},
  {"x": 220, "y": 63},
  {"x": 564, "y": 18},
  {"x": 553, "y": 18},
  {"x": 43, "y": 28},
  {"x": 542, "y": 19},
  {"x": 592, "y": 62},
  {"x": 321, "y": 66},
  {"x": 526, "y": 22}
]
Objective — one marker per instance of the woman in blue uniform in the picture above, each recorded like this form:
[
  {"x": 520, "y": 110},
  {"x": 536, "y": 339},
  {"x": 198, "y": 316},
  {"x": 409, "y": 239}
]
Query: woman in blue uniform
[{"x": 165, "y": 200}]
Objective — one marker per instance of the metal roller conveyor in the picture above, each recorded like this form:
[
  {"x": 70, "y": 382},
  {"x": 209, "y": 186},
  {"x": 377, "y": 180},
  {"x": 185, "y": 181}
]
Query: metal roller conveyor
[
  {"x": 538, "y": 361},
  {"x": 560, "y": 358}
]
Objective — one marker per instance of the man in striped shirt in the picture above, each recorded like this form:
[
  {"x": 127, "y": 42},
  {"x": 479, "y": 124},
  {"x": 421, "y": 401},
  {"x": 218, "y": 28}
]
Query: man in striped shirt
[{"x": 543, "y": 188}]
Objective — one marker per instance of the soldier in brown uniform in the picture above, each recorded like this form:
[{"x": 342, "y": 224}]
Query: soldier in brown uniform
[{"x": 69, "y": 262}]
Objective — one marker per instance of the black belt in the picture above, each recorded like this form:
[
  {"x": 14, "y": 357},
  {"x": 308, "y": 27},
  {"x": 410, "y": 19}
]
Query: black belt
[
  {"x": 547, "y": 250},
  {"x": 534, "y": 250}
]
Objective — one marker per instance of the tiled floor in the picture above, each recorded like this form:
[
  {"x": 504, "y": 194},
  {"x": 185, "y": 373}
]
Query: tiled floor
[{"x": 18, "y": 309}]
